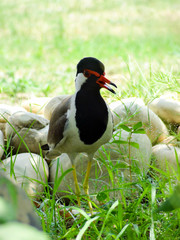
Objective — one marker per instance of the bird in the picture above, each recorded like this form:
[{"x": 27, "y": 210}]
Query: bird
[{"x": 83, "y": 121}]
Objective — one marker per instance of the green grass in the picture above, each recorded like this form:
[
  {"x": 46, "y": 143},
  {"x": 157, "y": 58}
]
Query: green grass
[
  {"x": 41, "y": 42},
  {"x": 138, "y": 41},
  {"x": 131, "y": 217}
]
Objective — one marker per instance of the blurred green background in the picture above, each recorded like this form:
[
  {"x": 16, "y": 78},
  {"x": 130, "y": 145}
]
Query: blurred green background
[{"x": 42, "y": 41}]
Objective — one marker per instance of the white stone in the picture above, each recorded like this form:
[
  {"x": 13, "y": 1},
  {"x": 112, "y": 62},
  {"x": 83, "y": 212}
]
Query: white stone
[
  {"x": 165, "y": 157},
  {"x": 36, "y": 104},
  {"x": 28, "y": 170},
  {"x": 8, "y": 110},
  {"x": 96, "y": 183},
  {"x": 59, "y": 166},
  {"x": 1, "y": 144},
  {"x": 33, "y": 139},
  {"x": 130, "y": 112},
  {"x": 5, "y": 112},
  {"x": 26, "y": 120},
  {"x": 140, "y": 157},
  {"x": 31, "y": 127},
  {"x": 167, "y": 109},
  {"x": 110, "y": 154},
  {"x": 52, "y": 104},
  {"x": 3, "y": 128},
  {"x": 134, "y": 100},
  {"x": 171, "y": 140}
]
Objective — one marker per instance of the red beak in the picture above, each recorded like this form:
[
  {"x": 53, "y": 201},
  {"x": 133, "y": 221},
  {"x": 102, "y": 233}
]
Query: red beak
[{"x": 102, "y": 81}]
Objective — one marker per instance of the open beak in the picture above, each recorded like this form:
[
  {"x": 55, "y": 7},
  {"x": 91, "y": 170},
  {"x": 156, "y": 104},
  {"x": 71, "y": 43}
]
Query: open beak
[{"x": 103, "y": 82}]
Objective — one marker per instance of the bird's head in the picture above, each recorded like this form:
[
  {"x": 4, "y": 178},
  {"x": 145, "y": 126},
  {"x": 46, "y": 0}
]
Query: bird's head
[{"x": 91, "y": 72}]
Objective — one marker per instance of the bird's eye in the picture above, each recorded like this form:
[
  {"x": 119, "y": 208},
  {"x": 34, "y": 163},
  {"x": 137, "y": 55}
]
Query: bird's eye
[{"x": 86, "y": 73}]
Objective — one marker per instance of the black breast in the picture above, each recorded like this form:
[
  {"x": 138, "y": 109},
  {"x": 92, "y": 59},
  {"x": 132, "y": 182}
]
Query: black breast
[{"x": 91, "y": 116}]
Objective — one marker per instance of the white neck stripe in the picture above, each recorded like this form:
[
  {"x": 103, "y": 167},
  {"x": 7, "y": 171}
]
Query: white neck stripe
[{"x": 80, "y": 79}]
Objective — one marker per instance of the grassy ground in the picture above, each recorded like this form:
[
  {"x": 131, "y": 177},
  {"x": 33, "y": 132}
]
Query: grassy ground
[{"x": 40, "y": 45}]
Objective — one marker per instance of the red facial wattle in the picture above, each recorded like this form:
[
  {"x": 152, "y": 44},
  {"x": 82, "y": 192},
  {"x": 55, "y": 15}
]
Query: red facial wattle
[{"x": 101, "y": 81}]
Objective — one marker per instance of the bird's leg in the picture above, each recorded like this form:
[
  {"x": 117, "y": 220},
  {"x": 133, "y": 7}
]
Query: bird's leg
[
  {"x": 86, "y": 183},
  {"x": 72, "y": 157},
  {"x": 86, "y": 180},
  {"x": 77, "y": 189}
]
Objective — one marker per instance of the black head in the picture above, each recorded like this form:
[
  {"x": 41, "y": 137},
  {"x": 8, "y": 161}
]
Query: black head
[
  {"x": 90, "y": 63},
  {"x": 93, "y": 74}
]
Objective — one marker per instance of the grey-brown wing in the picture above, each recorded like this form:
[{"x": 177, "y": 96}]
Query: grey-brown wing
[{"x": 58, "y": 121}]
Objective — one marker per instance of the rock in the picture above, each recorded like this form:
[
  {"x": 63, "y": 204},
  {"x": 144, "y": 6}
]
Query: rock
[
  {"x": 36, "y": 104},
  {"x": 28, "y": 169},
  {"x": 113, "y": 155},
  {"x": 52, "y": 104},
  {"x": 32, "y": 138},
  {"x": 63, "y": 163},
  {"x": 26, "y": 120},
  {"x": 132, "y": 100},
  {"x": 140, "y": 155},
  {"x": 1, "y": 144},
  {"x": 167, "y": 109},
  {"x": 165, "y": 157},
  {"x": 31, "y": 127},
  {"x": 3, "y": 128},
  {"x": 131, "y": 111},
  {"x": 15, "y": 205},
  {"x": 5, "y": 112},
  {"x": 170, "y": 141}
]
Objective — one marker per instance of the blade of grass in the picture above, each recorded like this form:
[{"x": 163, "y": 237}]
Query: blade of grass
[
  {"x": 115, "y": 204},
  {"x": 122, "y": 231},
  {"x": 87, "y": 224}
]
